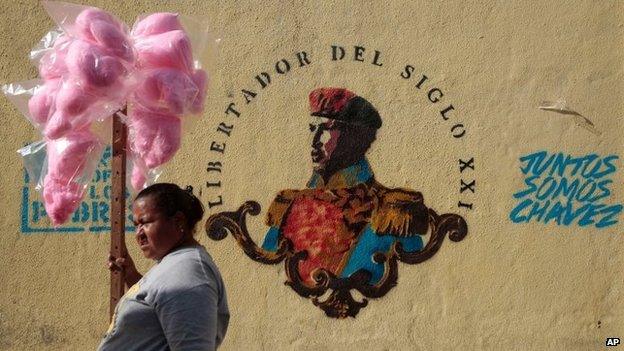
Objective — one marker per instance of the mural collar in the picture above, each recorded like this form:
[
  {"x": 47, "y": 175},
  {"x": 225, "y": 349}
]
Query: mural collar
[{"x": 358, "y": 173}]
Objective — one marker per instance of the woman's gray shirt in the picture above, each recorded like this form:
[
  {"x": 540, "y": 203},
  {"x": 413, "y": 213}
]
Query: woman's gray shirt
[{"x": 180, "y": 304}]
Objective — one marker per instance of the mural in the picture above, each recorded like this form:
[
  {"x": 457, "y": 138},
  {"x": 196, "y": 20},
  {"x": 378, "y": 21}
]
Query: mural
[{"x": 345, "y": 231}]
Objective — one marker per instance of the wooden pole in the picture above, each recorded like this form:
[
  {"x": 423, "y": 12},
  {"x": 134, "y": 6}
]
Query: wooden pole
[{"x": 118, "y": 208}]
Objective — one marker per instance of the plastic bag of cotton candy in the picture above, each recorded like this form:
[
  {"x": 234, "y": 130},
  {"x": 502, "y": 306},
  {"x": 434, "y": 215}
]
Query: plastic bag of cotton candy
[
  {"x": 89, "y": 68},
  {"x": 61, "y": 169},
  {"x": 85, "y": 69},
  {"x": 85, "y": 74},
  {"x": 171, "y": 88}
]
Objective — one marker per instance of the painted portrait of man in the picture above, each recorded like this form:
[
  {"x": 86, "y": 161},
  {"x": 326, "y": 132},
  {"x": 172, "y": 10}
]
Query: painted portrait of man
[
  {"x": 344, "y": 217},
  {"x": 344, "y": 231}
]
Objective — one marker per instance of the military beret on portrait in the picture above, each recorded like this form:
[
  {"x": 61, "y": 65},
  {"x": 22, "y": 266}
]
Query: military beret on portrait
[{"x": 343, "y": 105}]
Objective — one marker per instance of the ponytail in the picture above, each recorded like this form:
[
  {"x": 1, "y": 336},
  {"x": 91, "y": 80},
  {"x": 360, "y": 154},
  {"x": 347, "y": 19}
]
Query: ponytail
[{"x": 195, "y": 209}]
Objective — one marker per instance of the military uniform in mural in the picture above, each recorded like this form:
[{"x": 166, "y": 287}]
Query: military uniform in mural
[
  {"x": 344, "y": 231},
  {"x": 344, "y": 216}
]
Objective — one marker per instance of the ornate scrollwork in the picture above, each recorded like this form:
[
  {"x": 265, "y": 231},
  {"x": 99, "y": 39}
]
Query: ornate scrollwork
[
  {"x": 340, "y": 302},
  {"x": 449, "y": 223},
  {"x": 218, "y": 225}
]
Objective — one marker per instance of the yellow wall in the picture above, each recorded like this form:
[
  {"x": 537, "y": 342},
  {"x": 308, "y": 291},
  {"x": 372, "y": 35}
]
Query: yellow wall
[{"x": 506, "y": 286}]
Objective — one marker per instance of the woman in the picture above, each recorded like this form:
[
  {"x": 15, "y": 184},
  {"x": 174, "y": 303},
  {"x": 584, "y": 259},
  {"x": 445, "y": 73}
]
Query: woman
[{"x": 180, "y": 303}]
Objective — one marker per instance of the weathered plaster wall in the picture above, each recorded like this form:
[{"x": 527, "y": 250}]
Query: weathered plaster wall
[{"x": 506, "y": 286}]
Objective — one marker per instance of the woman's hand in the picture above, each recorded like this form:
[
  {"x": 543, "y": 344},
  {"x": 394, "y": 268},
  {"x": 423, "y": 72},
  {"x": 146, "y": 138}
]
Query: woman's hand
[{"x": 127, "y": 264}]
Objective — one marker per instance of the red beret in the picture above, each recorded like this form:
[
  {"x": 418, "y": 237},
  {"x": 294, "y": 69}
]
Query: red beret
[
  {"x": 343, "y": 105},
  {"x": 329, "y": 101}
]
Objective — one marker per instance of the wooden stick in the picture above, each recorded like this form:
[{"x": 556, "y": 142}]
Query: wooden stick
[{"x": 118, "y": 208}]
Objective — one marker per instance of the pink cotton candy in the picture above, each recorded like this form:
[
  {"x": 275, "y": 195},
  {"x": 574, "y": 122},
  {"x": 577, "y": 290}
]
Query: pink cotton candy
[
  {"x": 155, "y": 137},
  {"x": 72, "y": 103},
  {"x": 140, "y": 175},
  {"x": 67, "y": 160},
  {"x": 157, "y": 23},
  {"x": 166, "y": 90},
  {"x": 89, "y": 63},
  {"x": 61, "y": 198},
  {"x": 138, "y": 178},
  {"x": 52, "y": 65},
  {"x": 42, "y": 104},
  {"x": 76, "y": 107},
  {"x": 170, "y": 49},
  {"x": 57, "y": 125},
  {"x": 112, "y": 39},
  {"x": 82, "y": 25},
  {"x": 68, "y": 156},
  {"x": 107, "y": 71},
  {"x": 200, "y": 78},
  {"x": 72, "y": 99},
  {"x": 39, "y": 106}
]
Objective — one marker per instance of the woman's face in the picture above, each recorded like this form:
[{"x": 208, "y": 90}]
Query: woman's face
[{"x": 156, "y": 233}]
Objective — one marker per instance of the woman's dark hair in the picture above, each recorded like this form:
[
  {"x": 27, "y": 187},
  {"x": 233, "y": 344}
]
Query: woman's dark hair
[{"x": 170, "y": 198}]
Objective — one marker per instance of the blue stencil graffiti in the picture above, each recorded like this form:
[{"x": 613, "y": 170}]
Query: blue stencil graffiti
[
  {"x": 92, "y": 215},
  {"x": 566, "y": 190}
]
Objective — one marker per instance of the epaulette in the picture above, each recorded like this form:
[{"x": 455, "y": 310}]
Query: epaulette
[
  {"x": 279, "y": 206},
  {"x": 400, "y": 212}
]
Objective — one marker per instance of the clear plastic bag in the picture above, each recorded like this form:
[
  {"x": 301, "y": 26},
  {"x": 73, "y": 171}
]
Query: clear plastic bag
[
  {"x": 58, "y": 106},
  {"x": 92, "y": 66},
  {"x": 166, "y": 90},
  {"x": 80, "y": 84},
  {"x": 138, "y": 175},
  {"x": 62, "y": 169},
  {"x": 45, "y": 45},
  {"x": 49, "y": 54},
  {"x": 93, "y": 25},
  {"x": 172, "y": 87},
  {"x": 154, "y": 137},
  {"x": 86, "y": 66},
  {"x": 169, "y": 40},
  {"x": 203, "y": 40},
  {"x": 34, "y": 156},
  {"x": 21, "y": 94}
]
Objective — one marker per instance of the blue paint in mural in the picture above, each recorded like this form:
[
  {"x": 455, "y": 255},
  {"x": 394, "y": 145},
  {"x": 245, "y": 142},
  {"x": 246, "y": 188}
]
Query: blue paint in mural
[
  {"x": 566, "y": 190},
  {"x": 92, "y": 215}
]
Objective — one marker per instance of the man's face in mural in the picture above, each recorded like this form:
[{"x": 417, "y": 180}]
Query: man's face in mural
[{"x": 325, "y": 135}]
